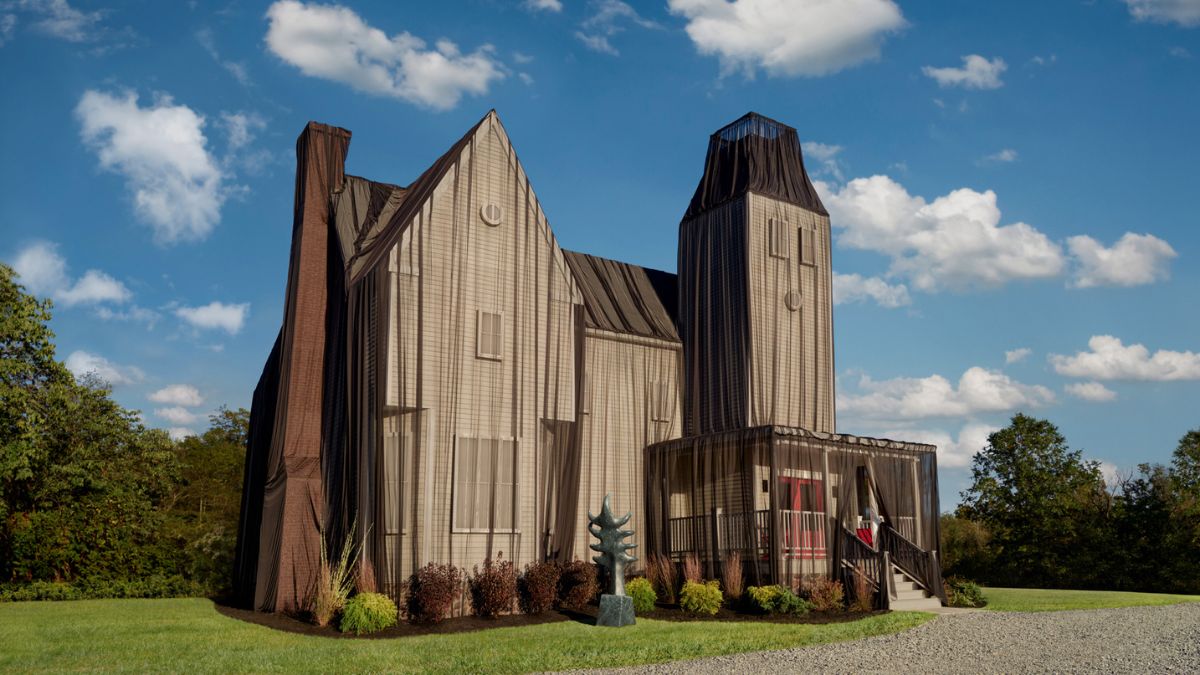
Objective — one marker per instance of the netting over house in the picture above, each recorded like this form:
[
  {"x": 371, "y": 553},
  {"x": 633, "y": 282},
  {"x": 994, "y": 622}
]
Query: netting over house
[{"x": 793, "y": 503}]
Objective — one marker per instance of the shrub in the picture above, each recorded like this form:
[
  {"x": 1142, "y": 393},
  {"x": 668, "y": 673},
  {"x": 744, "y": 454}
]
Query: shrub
[
  {"x": 863, "y": 600},
  {"x": 643, "y": 595},
  {"x": 700, "y": 598},
  {"x": 334, "y": 581},
  {"x": 86, "y": 589},
  {"x": 432, "y": 591},
  {"x": 731, "y": 576},
  {"x": 364, "y": 577},
  {"x": 577, "y": 585},
  {"x": 538, "y": 586},
  {"x": 368, "y": 613},
  {"x": 777, "y": 600},
  {"x": 963, "y": 593},
  {"x": 494, "y": 588},
  {"x": 661, "y": 573},
  {"x": 691, "y": 569},
  {"x": 39, "y": 590},
  {"x": 825, "y": 594}
]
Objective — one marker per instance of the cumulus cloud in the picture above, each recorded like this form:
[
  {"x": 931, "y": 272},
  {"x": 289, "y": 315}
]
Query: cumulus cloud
[
  {"x": 177, "y": 415},
  {"x": 850, "y": 288},
  {"x": 1109, "y": 359},
  {"x": 1091, "y": 391},
  {"x": 179, "y": 433},
  {"x": 978, "y": 391},
  {"x": 952, "y": 452},
  {"x": 799, "y": 38},
  {"x": 178, "y": 395},
  {"x": 608, "y": 18},
  {"x": 332, "y": 42},
  {"x": 82, "y": 363},
  {"x": 1017, "y": 355},
  {"x": 976, "y": 73},
  {"x": 543, "y": 5},
  {"x": 216, "y": 315},
  {"x": 1182, "y": 12},
  {"x": 826, "y": 157},
  {"x": 44, "y": 272},
  {"x": 161, "y": 151},
  {"x": 1135, "y": 259},
  {"x": 955, "y": 242}
]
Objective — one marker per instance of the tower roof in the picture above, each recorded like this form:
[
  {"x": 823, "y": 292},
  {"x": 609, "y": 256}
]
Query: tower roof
[{"x": 754, "y": 154}]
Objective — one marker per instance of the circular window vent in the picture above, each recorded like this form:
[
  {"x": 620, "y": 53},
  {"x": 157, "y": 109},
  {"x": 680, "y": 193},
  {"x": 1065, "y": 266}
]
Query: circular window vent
[
  {"x": 492, "y": 214},
  {"x": 793, "y": 300}
]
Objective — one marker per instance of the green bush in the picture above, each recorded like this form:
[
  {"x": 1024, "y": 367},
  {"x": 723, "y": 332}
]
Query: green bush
[
  {"x": 777, "y": 600},
  {"x": 701, "y": 598},
  {"x": 963, "y": 593},
  {"x": 368, "y": 613},
  {"x": 88, "y": 589},
  {"x": 642, "y": 592}
]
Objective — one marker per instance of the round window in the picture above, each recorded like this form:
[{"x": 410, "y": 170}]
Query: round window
[
  {"x": 793, "y": 300},
  {"x": 492, "y": 214}
]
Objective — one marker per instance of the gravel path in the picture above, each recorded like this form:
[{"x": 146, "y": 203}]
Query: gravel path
[{"x": 1125, "y": 640}]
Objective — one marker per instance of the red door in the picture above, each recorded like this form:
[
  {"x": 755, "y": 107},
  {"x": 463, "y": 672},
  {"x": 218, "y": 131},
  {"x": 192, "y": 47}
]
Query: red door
[{"x": 802, "y": 511}]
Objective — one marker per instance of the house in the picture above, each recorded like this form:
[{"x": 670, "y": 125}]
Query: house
[{"x": 450, "y": 385}]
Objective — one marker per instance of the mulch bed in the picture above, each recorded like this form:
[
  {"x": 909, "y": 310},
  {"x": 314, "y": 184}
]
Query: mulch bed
[{"x": 467, "y": 624}]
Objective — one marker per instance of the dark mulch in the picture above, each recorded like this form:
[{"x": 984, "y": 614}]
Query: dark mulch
[{"x": 292, "y": 624}]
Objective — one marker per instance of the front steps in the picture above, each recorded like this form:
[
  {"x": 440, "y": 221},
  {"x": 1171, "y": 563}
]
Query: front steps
[{"x": 909, "y": 597}]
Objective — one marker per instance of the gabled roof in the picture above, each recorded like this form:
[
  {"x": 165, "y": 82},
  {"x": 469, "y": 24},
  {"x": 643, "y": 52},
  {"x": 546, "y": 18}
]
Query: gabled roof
[
  {"x": 754, "y": 154},
  {"x": 625, "y": 298}
]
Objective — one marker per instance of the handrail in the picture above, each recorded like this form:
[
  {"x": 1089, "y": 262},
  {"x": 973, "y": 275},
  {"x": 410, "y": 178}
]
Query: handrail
[
  {"x": 859, "y": 558},
  {"x": 906, "y": 555}
]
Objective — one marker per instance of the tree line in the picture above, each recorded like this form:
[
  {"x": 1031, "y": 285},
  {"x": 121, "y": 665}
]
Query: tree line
[
  {"x": 89, "y": 496},
  {"x": 1037, "y": 514}
]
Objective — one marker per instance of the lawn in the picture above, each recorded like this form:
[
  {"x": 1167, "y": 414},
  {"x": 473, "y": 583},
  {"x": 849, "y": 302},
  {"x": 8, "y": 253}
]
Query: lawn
[
  {"x": 190, "y": 635},
  {"x": 1048, "y": 600}
]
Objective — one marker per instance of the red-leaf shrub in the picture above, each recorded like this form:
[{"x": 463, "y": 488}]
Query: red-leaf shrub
[
  {"x": 539, "y": 586},
  {"x": 494, "y": 588},
  {"x": 577, "y": 586},
  {"x": 825, "y": 594},
  {"x": 432, "y": 591}
]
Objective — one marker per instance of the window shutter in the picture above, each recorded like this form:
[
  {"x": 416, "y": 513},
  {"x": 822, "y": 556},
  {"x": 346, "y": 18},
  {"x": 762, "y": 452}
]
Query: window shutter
[{"x": 808, "y": 252}]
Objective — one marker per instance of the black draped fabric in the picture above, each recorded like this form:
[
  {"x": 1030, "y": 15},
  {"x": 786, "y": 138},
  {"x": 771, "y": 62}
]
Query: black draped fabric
[{"x": 754, "y": 154}]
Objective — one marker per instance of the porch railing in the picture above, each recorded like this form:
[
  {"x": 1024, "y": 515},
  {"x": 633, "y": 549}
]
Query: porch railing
[
  {"x": 907, "y": 527},
  {"x": 906, "y": 555},
  {"x": 802, "y": 534}
]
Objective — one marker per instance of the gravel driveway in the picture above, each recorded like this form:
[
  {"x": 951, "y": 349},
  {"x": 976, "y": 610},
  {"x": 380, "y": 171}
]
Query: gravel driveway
[{"x": 1130, "y": 639}]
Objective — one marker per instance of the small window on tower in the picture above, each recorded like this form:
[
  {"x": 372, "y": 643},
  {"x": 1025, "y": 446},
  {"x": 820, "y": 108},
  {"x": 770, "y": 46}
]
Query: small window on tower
[
  {"x": 660, "y": 402},
  {"x": 779, "y": 236},
  {"x": 489, "y": 338},
  {"x": 808, "y": 250}
]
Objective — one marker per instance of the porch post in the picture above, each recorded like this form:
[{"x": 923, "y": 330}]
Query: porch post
[
  {"x": 917, "y": 514},
  {"x": 831, "y": 524}
]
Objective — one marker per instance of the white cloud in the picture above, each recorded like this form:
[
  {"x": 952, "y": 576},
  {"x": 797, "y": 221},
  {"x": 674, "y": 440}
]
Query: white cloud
[
  {"x": 44, "y": 272},
  {"x": 1109, "y": 359},
  {"x": 827, "y": 157},
  {"x": 978, "y": 391},
  {"x": 1005, "y": 156},
  {"x": 216, "y": 315},
  {"x": 161, "y": 151},
  {"x": 952, "y": 452},
  {"x": 240, "y": 128},
  {"x": 521, "y": 58},
  {"x": 526, "y": 78},
  {"x": 1110, "y": 472},
  {"x": 180, "y": 433},
  {"x": 976, "y": 73},
  {"x": 332, "y": 42},
  {"x": 1179, "y": 52},
  {"x": 954, "y": 242},
  {"x": 1135, "y": 259},
  {"x": 133, "y": 313},
  {"x": 848, "y": 288},
  {"x": 82, "y": 363},
  {"x": 8, "y": 26},
  {"x": 178, "y": 395},
  {"x": 1017, "y": 355},
  {"x": 1182, "y": 12},
  {"x": 235, "y": 68},
  {"x": 608, "y": 18},
  {"x": 1091, "y": 391},
  {"x": 177, "y": 415},
  {"x": 798, "y": 38},
  {"x": 543, "y": 5},
  {"x": 59, "y": 19}
]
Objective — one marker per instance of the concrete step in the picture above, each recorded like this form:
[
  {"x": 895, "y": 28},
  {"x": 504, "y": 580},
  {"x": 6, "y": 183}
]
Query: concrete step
[
  {"x": 910, "y": 595},
  {"x": 906, "y": 586},
  {"x": 915, "y": 604}
]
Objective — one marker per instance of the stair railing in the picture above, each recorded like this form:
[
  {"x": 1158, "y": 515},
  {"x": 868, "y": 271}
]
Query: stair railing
[
  {"x": 858, "y": 558},
  {"x": 906, "y": 555}
]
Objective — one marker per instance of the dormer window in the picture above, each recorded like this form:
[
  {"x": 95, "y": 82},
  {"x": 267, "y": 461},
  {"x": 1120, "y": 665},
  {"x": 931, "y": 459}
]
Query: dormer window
[{"x": 779, "y": 237}]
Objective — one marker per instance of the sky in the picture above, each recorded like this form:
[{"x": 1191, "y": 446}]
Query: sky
[{"x": 1010, "y": 184}]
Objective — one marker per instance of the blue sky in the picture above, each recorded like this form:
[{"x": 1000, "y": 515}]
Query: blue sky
[{"x": 1010, "y": 184}]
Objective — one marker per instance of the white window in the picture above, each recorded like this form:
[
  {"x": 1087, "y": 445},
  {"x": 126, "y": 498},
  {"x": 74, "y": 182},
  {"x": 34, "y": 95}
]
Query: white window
[
  {"x": 808, "y": 250},
  {"x": 489, "y": 335},
  {"x": 660, "y": 402},
  {"x": 779, "y": 237},
  {"x": 485, "y": 485}
]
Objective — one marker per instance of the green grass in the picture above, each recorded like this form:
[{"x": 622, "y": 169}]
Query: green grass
[
  {"x": 189, "y": 635},
  {"x": 1048, "y": 600}
]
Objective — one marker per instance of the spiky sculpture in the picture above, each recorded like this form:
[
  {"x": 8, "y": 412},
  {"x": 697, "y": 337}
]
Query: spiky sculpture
[{"x": 612, "y": 549}]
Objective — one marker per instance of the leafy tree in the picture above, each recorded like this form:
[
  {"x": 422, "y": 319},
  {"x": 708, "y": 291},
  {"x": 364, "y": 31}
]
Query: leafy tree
[
  {"x": 965, "y": 548},
  {"x": 1046, "y": 508}
]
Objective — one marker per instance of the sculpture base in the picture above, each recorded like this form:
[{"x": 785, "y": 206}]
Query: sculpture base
[{"x": 615, "y": 611}]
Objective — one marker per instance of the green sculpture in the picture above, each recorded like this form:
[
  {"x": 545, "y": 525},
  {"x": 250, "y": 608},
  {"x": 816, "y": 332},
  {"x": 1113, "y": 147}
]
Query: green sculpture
[{"x": 612, "y": 549}]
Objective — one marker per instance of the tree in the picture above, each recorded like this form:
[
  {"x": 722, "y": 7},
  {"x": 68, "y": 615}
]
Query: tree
[{"x": 1046, "y": 508}]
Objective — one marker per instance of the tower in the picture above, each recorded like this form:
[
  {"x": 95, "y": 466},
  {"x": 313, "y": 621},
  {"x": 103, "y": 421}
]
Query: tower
[{"x": 755, "y": 287}]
